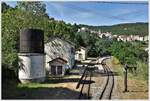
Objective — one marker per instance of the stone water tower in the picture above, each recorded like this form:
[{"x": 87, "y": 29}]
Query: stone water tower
[{"x": 31, "y": 56}]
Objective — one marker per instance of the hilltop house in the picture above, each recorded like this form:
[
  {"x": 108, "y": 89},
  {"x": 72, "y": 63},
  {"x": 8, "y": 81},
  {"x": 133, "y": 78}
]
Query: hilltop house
[
  {"x": 146, "y": 38},
  {"x": 59, "y": 54},
  {"x": 81, "y": 54},
  {"x": 122, "y": 38},
  {"x": 83, "y": 29}
]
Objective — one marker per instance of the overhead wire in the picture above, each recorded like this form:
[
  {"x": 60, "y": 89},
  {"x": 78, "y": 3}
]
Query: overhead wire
[{"x": 124, "y": 2}]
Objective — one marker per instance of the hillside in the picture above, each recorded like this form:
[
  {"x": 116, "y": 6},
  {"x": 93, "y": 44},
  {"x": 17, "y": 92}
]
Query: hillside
[{"x": 127, "y": 28}]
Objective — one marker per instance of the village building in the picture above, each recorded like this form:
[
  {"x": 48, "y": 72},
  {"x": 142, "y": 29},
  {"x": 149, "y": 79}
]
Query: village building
[
  {"x": 83, "y": 29},
  {"x": 100, "y": 35},
  {"x": 122, "y": 38},
  {"x": 141, "y": 38},
  {"x": 114, "y": 37},
  {"x": 81, "y": 54},
  {"x": 129, "y": 38},
  {"x": 146, "y": 38},
  {"x": 59, "y": 51},
  {"x": 136, "y": 37}
]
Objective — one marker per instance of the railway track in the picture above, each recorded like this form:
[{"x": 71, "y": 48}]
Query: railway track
[
  {"x": 109, "y": 84},
  {"x": 102, "y": 92},
  {"x": 85, "y": 83}
]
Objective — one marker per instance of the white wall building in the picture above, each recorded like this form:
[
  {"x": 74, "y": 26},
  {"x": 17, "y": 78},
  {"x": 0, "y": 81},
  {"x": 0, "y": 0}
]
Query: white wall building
[
  {"x": 146, "y": 38},
  {"x": 81, "y": 54},
  {"x": 59, "y": 48}
]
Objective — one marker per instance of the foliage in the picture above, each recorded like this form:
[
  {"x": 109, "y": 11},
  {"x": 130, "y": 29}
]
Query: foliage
[
  {"x": 100, "y": 47},
  {"x": 38, "y": 8},
  {"x": 132, "y": 55},
  {"x": 142, "y": 69},
  {"x": 124, "y": 29},
  {"x": 5, "y": 7},
  {"x": 13, "y": 21}
]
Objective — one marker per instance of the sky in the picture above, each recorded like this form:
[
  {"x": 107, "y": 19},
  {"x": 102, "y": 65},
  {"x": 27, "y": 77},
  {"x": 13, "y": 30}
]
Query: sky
[{"x": 96, "y": 13}]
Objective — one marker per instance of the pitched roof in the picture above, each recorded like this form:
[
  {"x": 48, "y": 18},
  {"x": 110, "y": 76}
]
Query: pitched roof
[
  {"x": 82, "y": 47},
  {"x": 58, "y": 59},
  {"x": 56, "y": 37}
]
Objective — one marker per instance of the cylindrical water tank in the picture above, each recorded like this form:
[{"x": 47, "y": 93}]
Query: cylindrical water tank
[
  {"x": 32, "y": 41},
  {"x": 31, "y": 67},
  {"x": 31, "y": 56}
]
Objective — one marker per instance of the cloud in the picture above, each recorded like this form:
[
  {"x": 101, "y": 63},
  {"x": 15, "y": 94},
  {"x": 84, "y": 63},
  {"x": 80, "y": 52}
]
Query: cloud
[
  {"x": 65, "y": 10},
  {"x": 96, "y": 13}
]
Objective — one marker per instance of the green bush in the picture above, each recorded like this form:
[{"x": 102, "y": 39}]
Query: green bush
[{"x": 142, "y": 70}]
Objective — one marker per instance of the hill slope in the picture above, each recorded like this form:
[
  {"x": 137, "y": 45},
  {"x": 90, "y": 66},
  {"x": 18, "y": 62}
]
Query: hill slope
[{"x": 127, "y": 28}]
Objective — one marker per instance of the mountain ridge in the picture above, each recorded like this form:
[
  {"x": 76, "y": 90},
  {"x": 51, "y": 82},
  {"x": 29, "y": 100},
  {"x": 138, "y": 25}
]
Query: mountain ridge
[{"x": 138, "y": 28}]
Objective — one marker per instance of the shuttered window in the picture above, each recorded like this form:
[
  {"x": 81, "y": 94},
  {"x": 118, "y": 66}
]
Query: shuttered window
[
  {"x": 53, "y": 70},
  {"x": 56, "y": 70}
]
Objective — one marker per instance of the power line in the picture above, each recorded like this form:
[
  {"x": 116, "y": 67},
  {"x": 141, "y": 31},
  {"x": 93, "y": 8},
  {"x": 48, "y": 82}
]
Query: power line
[{"x": 123, "y": 2}]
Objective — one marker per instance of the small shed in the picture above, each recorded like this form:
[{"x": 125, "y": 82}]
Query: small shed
[
  {"x": 58, "y": 67},
  {"x": 81, "y": 54}
]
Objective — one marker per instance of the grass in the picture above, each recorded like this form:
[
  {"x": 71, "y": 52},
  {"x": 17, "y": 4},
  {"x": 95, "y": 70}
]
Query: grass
[
  {"x": 142, "y": 70},
  {"x": 32, "y": 85},
  {"x": 137, "y": 85},
  {"x": 53, "y": 88}
]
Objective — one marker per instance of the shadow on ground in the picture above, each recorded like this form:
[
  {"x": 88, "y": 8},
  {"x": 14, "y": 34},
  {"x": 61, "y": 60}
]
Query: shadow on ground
[
  {"x": 10, "y": 91},
  {"x": 45, "y": 93},
  {"x": 61, "y": 80}
]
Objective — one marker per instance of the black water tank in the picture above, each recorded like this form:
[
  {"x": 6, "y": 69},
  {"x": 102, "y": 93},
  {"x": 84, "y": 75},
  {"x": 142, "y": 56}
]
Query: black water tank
[{"x": 32, "y": 41}]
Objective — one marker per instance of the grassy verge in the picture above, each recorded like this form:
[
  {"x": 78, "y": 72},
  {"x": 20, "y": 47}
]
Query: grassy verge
[
  {"x": 137, "y": 84},
  {"x": 53, "y": 88},
  {"x": 141, "y": 72}
]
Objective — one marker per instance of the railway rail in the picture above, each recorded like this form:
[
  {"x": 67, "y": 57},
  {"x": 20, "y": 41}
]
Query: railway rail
[
  {"x": 85, "y": 82},
  {"x": 109, "y": 85}
]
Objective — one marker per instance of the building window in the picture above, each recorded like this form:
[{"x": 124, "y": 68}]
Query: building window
[
  {"x": 59, "y": 70},
  {"x": 53, "y": 70},
  {"x": 56, "y": 70}
]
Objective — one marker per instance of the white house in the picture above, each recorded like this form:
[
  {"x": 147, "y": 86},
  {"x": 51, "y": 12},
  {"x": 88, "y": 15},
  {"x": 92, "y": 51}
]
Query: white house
[
  {"x": 83, "y": 29},
  {"x": 59, "y": 48},
  {"x": 146, "y": 38},
  {"x": 81, "y": 54}
]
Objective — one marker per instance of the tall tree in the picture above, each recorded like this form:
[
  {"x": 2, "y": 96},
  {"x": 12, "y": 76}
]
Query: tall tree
[
  {"x": 38, "y": 8},
  {"x": 13, "y": 21},
  {"x": 5, "y": 7}
]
